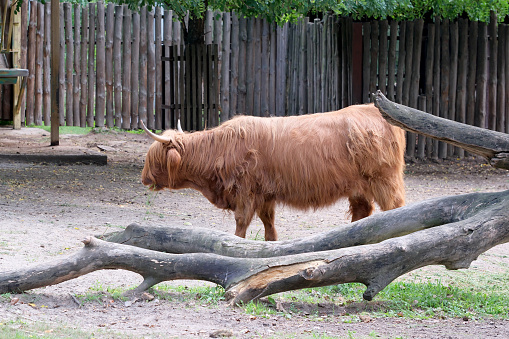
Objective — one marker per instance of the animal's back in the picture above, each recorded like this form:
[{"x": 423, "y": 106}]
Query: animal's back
[{"x": 311, "y": 161}]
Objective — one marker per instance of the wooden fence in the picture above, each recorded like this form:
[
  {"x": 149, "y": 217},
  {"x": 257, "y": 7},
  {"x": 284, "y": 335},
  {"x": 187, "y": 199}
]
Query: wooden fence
[
  {"x": 191, "y": 86},
  {"x": 104, "y": 81},
  {"x": 457, "y": 70},
  {"x": 112, "y": 70}
]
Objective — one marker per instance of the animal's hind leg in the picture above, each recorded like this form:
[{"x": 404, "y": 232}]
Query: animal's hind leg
[
  {"x": 360, "y": 207},
  {"x": 267, "y": 215}
]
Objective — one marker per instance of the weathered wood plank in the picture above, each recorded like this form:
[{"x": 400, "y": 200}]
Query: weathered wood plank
[
  {"x": 110, "y": 30},
  {"x": 38, "y": 64},
  {"x": 46, "y": 85},
  {"x": 225, "y": 68},
  {"x": 158, "y": 95},
  {"x": 76, "y": 87},
  {"x": 151, "y": 69},
  {"x": 100, "y": 89},
  {"x": 142, "y": 64},
  {"x": 91, "y": 65},
  {"x": 135, "y": 72},
  {"x": 83, "y": 66},
  {"x": 117, "y": 64}
]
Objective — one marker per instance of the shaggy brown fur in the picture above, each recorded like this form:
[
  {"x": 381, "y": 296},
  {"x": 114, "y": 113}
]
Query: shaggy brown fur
[{"x": 248, "y": 164}]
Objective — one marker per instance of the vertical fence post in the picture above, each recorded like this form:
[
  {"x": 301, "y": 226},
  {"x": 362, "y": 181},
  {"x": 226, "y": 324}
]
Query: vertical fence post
[
  {"x": 100, "y": 67},
  {"x": 136, "y": 112},
  {"x": 157, "y": 69},
  {"x": 225, "y": 67},
  {"x": 46, "y": 86},
  {"x": 110, "y": 20},
  {"x": 126, "y": 74},
  {"x": 76, "y": 64},
  {"x": 83, "y": 66}
]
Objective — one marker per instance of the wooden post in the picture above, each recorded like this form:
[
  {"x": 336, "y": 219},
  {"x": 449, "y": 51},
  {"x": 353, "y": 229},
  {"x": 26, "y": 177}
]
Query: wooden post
[
  {"x": 492, "y": 77},
  {"x": 430, "y": 56},
  {"x": 110, "y": 18},
  {"x": 100, "y": 88},
  {"x": 142, "y": 103},
  {"x": 83, "y": 67},
  {"x": 117, "y": 64},
  {"x": 482, "y": 73},
  {"x": 382, "y": 71},
  {"x": 32, "y": 28},
  {"x": 91, "y": 59},
  {"x": 444, "y": 81},
  {"x": 126, "y": 88},
  {"x": 234, "y": 65},
  {"x": 225, "y": 69},
  {"x": 501, "y": 108},
  {"x": 55, "y": 61},
  {"x": 61, "y": 69},
  {"x": 46, "y": 87},
  {"x": 401, "y": 62},
  {"x": 151, "y": 69},
  {"x": 77, "y": 65},
  {"x": 366, "y": 67},
  {"x": 16, "y": 59},
  {"x": 461, "y": 98},
  {"x": 69, "y": 43},
  {"x": 38, "y": 64},
  {"x": 135, "y": 68},
  {"x": 392, "y": 59},
  {"x": 158, "y": 69}
]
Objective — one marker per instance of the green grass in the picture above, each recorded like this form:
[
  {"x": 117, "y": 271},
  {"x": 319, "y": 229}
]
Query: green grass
[
  {"x": 209, "y": 295},
  {"x": 460, "y": 294},
  {"x": 481, "y": 297},
  {"x": 24, "y": 329},
  {"x": 66, "y": 129},
  {"x": 99, "y": 294}
]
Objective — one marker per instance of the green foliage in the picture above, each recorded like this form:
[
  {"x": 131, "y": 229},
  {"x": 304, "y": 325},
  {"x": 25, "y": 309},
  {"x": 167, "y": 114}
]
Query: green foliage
[
  {"x": 279, "y": 11},
  {"x": 283, "y": 11},
  {"x": 414, "y": 9}
]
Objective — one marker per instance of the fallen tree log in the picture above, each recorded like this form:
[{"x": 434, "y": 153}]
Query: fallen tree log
[
  {"x": 378, "y": 227},
  {"x": 479, "y": 222},
  {"x": 492, "y": 145}
]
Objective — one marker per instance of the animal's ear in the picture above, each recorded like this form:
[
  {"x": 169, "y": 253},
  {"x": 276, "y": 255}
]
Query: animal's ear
[{"x": 173, "y": 159}]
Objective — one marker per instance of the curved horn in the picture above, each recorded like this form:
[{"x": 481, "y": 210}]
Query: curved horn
[
  {"x": 179, "y": 128},
  {"x": 153, "y": 135}
]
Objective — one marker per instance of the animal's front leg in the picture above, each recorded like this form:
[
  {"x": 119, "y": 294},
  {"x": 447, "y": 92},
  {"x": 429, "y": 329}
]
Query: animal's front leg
[
  {"x": 360, "y": 207},
  {"x": 244, "y": 213}
]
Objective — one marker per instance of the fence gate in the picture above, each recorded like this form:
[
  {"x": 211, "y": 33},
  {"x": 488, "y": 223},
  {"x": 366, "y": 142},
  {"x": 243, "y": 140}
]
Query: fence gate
[{"x": 190, "y": 86}]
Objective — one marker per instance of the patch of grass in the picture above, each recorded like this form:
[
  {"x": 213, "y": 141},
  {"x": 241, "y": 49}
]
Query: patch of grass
[
  {"x": 485, "y": 296},
  {"x": 98, "y": 294},
  {"x": 5, "y": 297},
  {"x": 23, "y": 329},
  {"x": 66, "y": 129},
  {"x": 209, "y": 295},
  {"x": 260, "y": 309}
]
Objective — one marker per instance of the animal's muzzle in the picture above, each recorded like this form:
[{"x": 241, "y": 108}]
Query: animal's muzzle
[{"x": 151, "y": 185}]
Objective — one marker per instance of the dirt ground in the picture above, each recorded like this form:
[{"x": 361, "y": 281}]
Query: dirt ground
[{"x": 47, "y": 209}]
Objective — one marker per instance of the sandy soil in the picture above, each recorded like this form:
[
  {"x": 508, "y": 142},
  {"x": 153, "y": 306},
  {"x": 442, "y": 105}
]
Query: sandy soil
[{"x": 47, "y": 209}]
